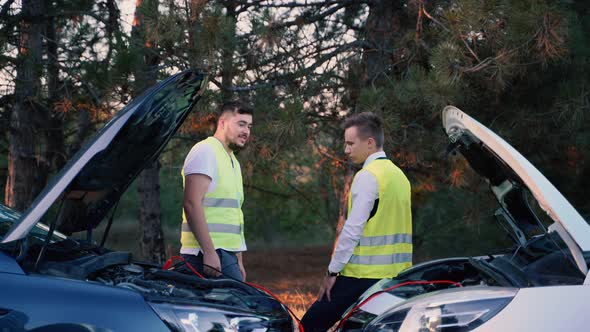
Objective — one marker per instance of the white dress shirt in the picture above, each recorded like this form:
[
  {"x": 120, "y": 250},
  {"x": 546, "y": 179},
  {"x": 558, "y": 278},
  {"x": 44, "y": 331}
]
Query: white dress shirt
[{"x": 365, "y": 190}]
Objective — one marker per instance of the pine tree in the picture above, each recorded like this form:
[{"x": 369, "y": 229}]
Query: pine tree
[{"x": 145, "y": 73}]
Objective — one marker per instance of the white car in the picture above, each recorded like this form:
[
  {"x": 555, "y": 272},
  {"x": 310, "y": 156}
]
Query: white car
[{"x": 542, "y": 285}]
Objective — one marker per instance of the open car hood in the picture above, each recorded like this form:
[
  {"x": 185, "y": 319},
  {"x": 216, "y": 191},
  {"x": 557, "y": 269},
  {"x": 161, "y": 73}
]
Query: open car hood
[
  {"x": 511, "y": 178},
  {"x": 92, "y": 182}
]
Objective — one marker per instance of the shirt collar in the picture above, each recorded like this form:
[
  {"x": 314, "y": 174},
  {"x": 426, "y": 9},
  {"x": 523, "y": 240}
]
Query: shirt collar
[{"x": 370, "y": 158}]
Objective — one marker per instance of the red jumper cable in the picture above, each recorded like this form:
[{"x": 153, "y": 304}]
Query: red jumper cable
[{"x": 168, "y": 264}]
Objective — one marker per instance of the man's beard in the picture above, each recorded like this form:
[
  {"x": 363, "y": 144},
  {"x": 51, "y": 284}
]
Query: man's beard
[{"x": 235, "y": 148}]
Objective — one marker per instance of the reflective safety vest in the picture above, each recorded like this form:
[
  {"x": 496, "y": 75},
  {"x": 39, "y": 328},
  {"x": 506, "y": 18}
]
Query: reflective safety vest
[
  {"x": 223, "y": 206},
  {"x": 385, "y": 247}
]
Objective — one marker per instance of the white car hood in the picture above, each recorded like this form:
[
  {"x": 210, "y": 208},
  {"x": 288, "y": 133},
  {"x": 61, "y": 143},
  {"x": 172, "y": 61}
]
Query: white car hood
[{"x": 565, "y": 216}]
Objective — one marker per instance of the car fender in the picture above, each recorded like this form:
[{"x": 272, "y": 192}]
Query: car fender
[
  {"x": 38, "y": 302},
  {"x": 544, "y": 309}
]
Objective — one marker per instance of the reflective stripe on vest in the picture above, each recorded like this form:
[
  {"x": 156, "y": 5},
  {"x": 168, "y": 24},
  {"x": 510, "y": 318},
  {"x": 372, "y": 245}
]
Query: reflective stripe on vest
[
  {"x": 222, "y": 206},
  {"x": 385, "y": 248},
  {"x": 381, "y": 240},
  {"x": 221, "y": 202},
  {"x": 381, "y": 259},
  {"x": 217, "y": 228}
]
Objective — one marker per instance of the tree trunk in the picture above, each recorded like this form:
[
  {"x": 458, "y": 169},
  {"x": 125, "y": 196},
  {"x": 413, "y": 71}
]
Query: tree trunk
[
  {"x": 382, "y": 29},
  {"x": 27, "y": 164},
  {"x": 56, "y": 154},
  {"x": 229, "y": 47},
  {"x": 151, "y": 244}
]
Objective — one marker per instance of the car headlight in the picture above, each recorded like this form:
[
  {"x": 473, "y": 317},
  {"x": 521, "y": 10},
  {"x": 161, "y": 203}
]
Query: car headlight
[
  {"x": 454, "y": 310},
  {"x": 200, "y": 319}
]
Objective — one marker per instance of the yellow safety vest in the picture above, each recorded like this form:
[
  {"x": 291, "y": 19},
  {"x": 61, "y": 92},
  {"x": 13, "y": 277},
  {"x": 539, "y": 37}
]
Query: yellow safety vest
[
  {"x": 385, "y": 248},
  {"x": 223, "y": 206}
]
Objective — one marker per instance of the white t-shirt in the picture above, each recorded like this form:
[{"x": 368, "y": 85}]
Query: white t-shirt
[{"x": 201, "y": 160}]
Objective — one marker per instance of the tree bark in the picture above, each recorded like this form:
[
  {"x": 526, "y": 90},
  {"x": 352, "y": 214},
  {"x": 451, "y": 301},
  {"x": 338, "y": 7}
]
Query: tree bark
[
  {"x": 382, "y": 29},
  {"x": 56, "y": 154},
  {"x": 227, "y": 66},
  {"x": 152, "y": 238},
  {"x": 151, "y": 244},
  {"x": 27, "y": 164}
]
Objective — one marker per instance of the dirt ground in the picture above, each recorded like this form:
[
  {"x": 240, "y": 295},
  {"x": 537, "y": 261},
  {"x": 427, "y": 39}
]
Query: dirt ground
[{"x": 293, "y": 275}]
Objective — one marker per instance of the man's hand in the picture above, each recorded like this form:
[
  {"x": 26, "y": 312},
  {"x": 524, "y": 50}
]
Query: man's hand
[
  {"x": 211, "y": 262},
  {"x": 242, "y": 270},
  {"x": 326, "y": 287}
]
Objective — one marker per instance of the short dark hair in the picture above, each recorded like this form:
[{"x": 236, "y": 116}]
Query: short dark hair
[
  {"x": 368, "y": 125},
  {"x": 235, "y": 107}
]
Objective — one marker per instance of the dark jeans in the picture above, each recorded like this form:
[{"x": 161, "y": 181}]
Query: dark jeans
[
  {"x": 323, "y": 314},
  {"x": 228, "y": 259}
]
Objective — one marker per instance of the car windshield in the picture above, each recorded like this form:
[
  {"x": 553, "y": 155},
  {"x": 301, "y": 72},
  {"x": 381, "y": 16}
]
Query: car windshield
[{"x": 8, "y": 217}]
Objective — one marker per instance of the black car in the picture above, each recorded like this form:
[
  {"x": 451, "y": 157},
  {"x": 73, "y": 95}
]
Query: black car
[{"x": 51, "y": 282}]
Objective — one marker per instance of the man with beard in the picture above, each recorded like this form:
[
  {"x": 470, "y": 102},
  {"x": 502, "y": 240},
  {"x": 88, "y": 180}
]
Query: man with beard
[{"x": 212, "y": 235}]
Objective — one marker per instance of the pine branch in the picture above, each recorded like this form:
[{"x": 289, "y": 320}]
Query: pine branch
[
  {"x": 259, "y": 4},
  {"x": 6, "y": 8},
  {"x": 266, "y": 191},
  {"x": 10, "y": 59},
  {"x": 298, "y": 192},
  {"x": 434, "y": 20},
  {"x": 489, "y": 60},
  {"x": 324, "y": 153},
  {"x": 7, "y": 100},
  {"x": 308, "y": 18},
  {"x": 289, "y": 77},
  {"x": 245, "y": 88}
]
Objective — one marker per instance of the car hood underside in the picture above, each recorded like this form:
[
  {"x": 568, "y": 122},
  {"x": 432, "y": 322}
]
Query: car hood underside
[
  {"x": 511, "y": 178},
  {"x": 93, "y": 181}
]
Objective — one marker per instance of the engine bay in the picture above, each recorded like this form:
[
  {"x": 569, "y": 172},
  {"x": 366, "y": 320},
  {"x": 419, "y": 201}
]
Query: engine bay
[
  {"x": 518, "y": 268},
  {"x": 76, "y": 260}
]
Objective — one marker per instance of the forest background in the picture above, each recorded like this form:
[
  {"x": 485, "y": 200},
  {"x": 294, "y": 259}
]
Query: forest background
[{"x": 519, "y": 67}]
